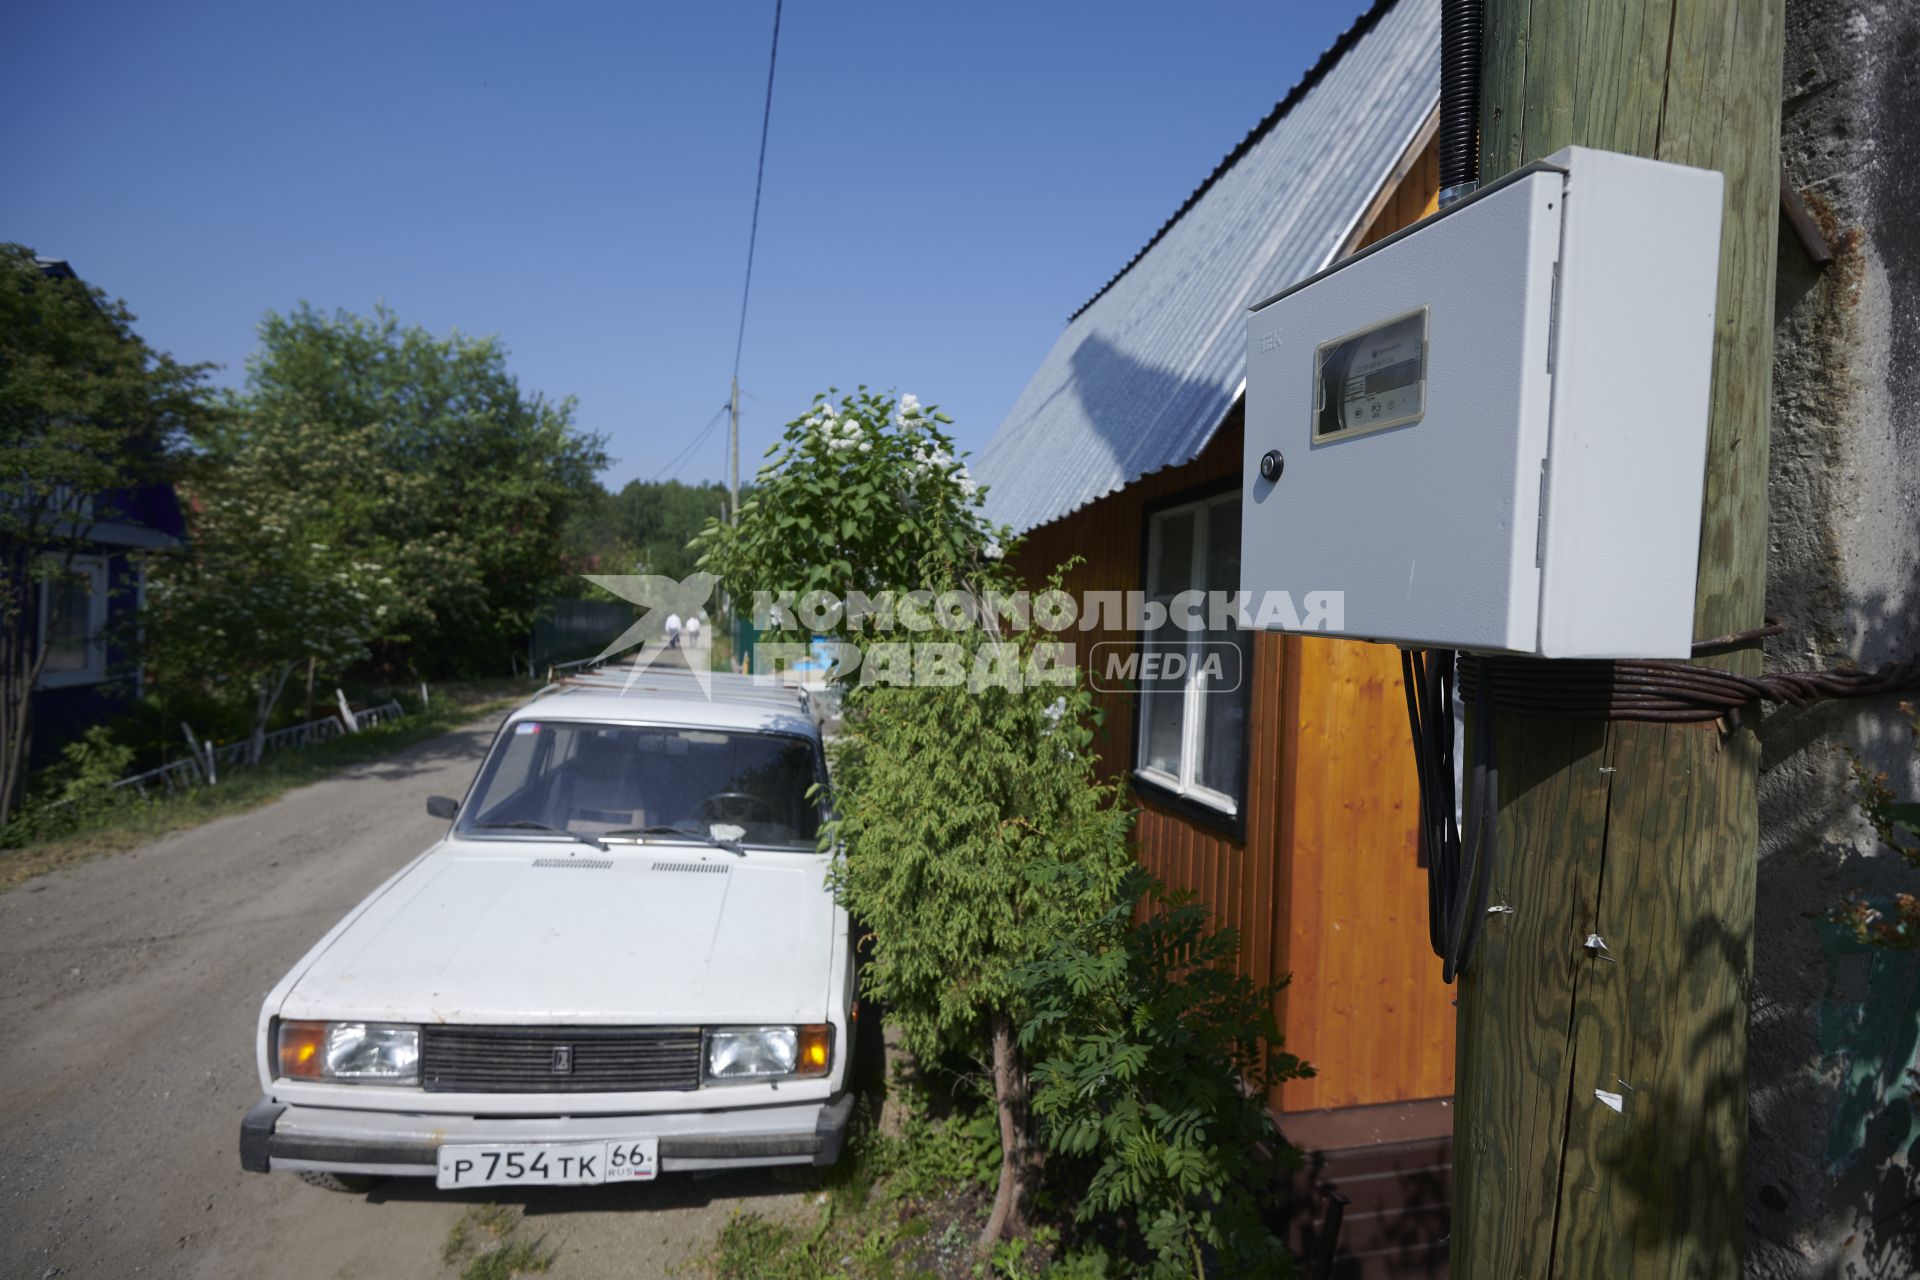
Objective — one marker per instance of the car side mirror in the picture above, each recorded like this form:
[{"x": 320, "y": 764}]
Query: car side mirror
[{"x": 443, "y": 807}]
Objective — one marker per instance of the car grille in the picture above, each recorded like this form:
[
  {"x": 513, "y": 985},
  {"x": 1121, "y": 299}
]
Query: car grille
[{"x": 463, "y": 1059}]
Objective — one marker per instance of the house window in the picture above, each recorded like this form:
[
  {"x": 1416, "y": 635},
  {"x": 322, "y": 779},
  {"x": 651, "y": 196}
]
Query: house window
[
  {"x": 73, "y": 620},
  {"x": 1195, "y": 685}
]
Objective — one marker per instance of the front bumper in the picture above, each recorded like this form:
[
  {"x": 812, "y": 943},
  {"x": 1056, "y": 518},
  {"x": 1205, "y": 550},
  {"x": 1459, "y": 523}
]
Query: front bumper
[{"x": 275, "y": 1135}]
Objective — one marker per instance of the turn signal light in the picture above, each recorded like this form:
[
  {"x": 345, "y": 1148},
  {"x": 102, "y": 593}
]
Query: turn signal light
[
  {"x": 816, "y": 1051},
  {"x": 303, "y": 1050}
]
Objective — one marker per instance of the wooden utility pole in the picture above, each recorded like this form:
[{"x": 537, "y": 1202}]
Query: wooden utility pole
[{"x": 1601, "y": 1110}]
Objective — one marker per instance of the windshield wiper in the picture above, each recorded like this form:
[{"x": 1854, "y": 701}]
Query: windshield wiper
[
  {"x": 541, "y": 826},
  {"x": 733, "y": 847}
]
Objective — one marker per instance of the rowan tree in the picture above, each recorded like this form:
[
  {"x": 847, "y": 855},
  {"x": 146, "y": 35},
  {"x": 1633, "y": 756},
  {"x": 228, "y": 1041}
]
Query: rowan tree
[{"x": 950, "y": 794}]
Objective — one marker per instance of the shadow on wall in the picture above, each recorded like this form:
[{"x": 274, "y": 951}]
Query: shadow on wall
[
  {"x": 1834, "y": 1176},
  {"x": 1834, "y": 1165},
  {"x": 1869, "y": 1029}
]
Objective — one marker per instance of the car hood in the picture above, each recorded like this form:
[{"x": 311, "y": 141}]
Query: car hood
[{"x": 536, "y": 932}]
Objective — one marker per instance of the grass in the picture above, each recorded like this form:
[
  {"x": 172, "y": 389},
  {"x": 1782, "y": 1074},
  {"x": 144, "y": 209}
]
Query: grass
[
  {"x": 486, "y": 1244},
  {"x": 120, "y": 827}
]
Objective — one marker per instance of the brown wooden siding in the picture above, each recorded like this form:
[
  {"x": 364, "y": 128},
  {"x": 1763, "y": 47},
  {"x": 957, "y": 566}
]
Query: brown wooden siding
[
  {"x": 1367, "y": 1005},
  {"x": 1325, "y": 883},
  {"x": 1416, "y": 197},
  {"x": 1242, "y": 890}
]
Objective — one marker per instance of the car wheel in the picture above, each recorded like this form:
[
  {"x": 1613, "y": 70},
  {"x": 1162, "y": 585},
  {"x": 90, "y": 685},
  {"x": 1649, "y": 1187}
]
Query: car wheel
[{"x": 351, "y": 1183}]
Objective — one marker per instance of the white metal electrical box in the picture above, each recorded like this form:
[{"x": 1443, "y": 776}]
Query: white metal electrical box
[{"x": 1488, "y": 432}]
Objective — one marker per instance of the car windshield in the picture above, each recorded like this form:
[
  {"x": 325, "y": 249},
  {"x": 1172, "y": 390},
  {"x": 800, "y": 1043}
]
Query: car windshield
[{"x": 621, "y": 781}]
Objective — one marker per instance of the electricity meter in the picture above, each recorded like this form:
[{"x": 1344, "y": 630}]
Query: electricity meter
[
  {"x": 1373, "y": 379},
  {"x": 1488, "y": 431}
]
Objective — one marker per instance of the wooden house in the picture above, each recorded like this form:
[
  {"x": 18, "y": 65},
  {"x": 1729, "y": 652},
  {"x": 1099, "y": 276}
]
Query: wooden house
[
  {"x": 87, "y": 619},
  {"x": 1285, "y": 798}
]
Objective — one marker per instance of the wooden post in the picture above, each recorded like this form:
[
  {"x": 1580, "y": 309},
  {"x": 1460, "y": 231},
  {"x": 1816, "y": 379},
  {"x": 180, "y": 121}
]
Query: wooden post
[{"x": 1601, "y": 1117}]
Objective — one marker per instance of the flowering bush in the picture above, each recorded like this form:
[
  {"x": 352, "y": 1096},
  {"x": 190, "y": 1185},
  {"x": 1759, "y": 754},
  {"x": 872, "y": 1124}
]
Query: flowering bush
[
  {"x": 865, "y": 493},
  {"x": 270, "y": 579}
]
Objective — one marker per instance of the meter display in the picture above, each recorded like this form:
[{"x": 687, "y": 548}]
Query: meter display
[{"x": 1371, "y": 380}]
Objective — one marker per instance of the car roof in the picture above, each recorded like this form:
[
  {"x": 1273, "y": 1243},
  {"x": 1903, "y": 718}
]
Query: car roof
[{"x": 675, "y": 697}]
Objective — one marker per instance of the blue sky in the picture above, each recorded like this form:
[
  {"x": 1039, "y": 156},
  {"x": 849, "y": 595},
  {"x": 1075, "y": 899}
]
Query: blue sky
[{"x": 945, "y": 183}]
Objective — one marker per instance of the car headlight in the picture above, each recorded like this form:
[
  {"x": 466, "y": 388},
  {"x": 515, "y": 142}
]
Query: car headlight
[
  {"x": 769, "y": 1053},
  {"x": 349, "y": 1051}
]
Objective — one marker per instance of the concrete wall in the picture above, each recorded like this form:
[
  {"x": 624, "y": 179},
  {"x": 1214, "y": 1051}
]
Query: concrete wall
[{"x": 1833, "y": 1188}]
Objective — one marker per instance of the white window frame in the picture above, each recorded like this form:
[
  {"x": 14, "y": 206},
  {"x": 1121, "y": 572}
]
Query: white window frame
[
  {"x": 95, "y": 670},
  {"x": 1193, "y": 721}
]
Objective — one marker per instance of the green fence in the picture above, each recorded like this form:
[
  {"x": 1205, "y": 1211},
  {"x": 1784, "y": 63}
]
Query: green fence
[{"x": 570, "y": 629}]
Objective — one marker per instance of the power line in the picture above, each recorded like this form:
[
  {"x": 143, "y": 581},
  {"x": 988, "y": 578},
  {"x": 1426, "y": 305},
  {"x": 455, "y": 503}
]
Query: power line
[
  {"x": 746, "y": 286},
  {"x": 679, "y": 459},
  {"x": 759, "y": 181}
]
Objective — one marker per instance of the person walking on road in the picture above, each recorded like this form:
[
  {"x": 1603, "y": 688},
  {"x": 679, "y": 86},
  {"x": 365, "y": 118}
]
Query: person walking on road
[
  {"x": 693, "y": 631},
  {"x": 673, "y": 631}
]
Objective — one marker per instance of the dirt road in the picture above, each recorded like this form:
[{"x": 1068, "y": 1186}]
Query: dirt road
[{"x": 129, "y": 989}]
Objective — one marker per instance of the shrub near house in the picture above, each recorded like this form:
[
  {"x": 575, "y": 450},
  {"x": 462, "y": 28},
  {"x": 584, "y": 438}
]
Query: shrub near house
[{"x": 991, "y": 866}]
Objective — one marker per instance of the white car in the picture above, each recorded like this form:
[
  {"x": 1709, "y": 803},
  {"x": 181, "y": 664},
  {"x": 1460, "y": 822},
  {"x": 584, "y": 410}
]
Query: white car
[{"x": 624, "y": 958}]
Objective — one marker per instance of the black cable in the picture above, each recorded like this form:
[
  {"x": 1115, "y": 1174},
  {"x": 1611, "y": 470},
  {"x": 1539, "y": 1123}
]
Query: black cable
[
  {"x": 1660, "y": 692},
  {"x": 1459, "y": 872},
  {"x": 1431, "y": 849},
  {"x": 679, "y": 459},
  {"x": 1483, "y": 796},
  {"x": 1460, "y": 35},
  {"x": 759, "y": 180}
]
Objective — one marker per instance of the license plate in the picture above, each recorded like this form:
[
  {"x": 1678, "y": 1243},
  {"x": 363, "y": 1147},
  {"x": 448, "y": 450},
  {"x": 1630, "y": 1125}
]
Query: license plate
[{"x": 549, "y": 1164}]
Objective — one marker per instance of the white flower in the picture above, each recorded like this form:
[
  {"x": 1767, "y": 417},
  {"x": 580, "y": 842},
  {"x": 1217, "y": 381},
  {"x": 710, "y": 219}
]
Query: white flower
[
  {"x": 992, "y": 550},
  {"x": 866, "y": 446}
]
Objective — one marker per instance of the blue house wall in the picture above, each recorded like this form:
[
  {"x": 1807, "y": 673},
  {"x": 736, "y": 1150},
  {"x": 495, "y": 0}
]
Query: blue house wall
[{"x": 129, "y": 524}]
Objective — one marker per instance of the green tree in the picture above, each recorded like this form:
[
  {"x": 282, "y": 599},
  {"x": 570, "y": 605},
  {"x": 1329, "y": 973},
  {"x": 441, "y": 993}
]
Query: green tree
[
  {"x": 471, "y": 479},
  {"x": 867, "y": 494},
  {"x": 272, "y": 578},
  {"x": 646, "y": 527},
  {"x": 949, "y": 795},
  {"x": 87, "y": 411}
]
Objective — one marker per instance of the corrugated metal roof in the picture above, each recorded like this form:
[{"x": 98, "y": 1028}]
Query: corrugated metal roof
[{"x": 1146, "y": 371}]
